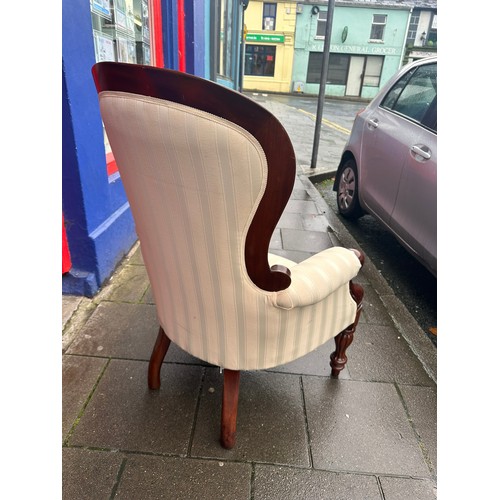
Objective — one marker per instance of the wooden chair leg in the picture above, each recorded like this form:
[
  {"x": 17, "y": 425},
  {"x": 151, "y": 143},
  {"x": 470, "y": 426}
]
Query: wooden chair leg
[
  {"x": 230, "y": 393},
  {"x": 338, "y": 358},
  {"x": 157, "y": 356}
]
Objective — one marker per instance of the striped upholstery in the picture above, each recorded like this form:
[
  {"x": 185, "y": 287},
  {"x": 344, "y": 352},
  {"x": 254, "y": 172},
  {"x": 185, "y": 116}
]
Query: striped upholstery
[{"x": 194, "y": 182}]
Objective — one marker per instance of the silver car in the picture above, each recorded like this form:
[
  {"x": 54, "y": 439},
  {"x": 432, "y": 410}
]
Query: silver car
[{"x": 389, "y": 165}]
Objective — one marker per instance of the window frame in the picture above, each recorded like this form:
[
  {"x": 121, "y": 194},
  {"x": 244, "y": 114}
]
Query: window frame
[
  {"x": 271, "y": 15},
  {"x": 374, "y": 76},
  {"x": 334, "y": 70},
  {"x": 376, "y": 26},
  {"x": 321, "y": 13},
  {"x": 267, "y": 50},
  {"x": 335, "y": 60}
]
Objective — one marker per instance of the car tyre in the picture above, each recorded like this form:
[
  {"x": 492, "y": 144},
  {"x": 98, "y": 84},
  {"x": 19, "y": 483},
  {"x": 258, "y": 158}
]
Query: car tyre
[{"x": 347, "y": 190}]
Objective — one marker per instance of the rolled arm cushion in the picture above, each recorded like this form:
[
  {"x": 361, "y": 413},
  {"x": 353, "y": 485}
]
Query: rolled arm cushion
[{"x": 316, "y": 278}]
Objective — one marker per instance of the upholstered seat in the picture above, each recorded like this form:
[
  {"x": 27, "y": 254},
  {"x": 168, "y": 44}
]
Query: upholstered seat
[{"x": 208, "y": 173}]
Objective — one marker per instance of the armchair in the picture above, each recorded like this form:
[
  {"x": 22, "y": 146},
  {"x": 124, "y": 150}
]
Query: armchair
[{"x": 208, "y": 173}]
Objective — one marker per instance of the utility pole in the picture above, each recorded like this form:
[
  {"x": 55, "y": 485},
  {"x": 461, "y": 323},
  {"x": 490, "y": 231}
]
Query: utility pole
[{"x": 322, "y": 85}]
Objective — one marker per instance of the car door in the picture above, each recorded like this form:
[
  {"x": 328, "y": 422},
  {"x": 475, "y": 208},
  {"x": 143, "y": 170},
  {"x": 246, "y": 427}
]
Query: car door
[
  {"x": 414, "y": 218},
  {"x": 383, "y": 156}
]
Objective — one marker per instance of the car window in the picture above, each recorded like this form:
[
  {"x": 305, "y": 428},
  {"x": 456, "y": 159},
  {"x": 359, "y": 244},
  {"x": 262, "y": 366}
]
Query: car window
[{"x": 414, "y": 93}]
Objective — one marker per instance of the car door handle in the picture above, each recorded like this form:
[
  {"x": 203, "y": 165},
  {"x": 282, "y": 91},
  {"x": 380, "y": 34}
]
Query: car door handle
[
  {"x": 420, "y": 150},
  {"x": 373, "y": 123}
]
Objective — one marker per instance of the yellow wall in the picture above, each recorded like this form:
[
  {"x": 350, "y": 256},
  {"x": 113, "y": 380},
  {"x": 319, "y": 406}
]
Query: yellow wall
[{"x": 285, "y": 25}]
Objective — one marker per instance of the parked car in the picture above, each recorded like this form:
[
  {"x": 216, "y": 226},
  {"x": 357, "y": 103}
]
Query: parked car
[{"x": 389, "y": 165}]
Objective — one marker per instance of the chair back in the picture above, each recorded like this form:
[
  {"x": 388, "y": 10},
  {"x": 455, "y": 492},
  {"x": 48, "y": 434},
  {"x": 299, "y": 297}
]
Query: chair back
[{"x": 207, "y": 172}]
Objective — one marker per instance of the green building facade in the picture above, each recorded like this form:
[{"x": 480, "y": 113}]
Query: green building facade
[{"x": 367, "y": 46}]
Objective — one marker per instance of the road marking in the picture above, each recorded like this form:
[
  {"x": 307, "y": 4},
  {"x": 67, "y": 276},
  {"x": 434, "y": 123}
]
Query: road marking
[{"x": 327, "y": 122}]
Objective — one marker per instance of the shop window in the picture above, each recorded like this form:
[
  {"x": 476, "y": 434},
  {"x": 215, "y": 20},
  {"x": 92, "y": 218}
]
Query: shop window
[
  {"x": 121, "y": 31},
  {"x": 259, "y": 60},
  {"x": 321, "y": 26},
  {"x": 338, "y": 64},
  {"x": 269, "y": 17},
  {"x": 373, "y": 70},
  {"x": 378, "y": 27}
]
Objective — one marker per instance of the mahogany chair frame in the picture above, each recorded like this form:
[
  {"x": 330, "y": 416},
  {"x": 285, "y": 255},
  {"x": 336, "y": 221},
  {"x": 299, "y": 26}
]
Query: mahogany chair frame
[{"x": 232, "y": 106}]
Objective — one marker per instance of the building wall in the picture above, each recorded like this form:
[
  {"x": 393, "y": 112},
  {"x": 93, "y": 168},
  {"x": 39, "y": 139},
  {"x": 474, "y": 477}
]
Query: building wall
[
  {"x": 423, "y": 26},
  {"x": 285, "y": 28},
  {"x": 358, "y": 22},
  {"x": 99, "y": 226}
]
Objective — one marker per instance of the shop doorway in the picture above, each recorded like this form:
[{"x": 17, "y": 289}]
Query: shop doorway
[{"x": 355, "y": 76}]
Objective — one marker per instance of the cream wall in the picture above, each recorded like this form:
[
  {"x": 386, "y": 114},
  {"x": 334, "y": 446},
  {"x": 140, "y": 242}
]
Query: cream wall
[{"x": 285, "y": 25}]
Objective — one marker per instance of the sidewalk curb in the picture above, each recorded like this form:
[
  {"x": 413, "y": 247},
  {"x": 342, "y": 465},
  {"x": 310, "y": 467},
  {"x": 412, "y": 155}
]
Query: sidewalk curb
[{"x": 404, "y": 322}]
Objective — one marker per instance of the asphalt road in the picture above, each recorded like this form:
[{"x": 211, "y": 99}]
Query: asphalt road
[{"x": 412, "y": 283}]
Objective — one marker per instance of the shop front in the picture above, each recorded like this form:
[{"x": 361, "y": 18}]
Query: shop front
[
  {"x": 353, "y": 71},
  {"x": 98, "y": 229},
  {"x": 269, "y": 46},
  {"x": 366, "y": 48}
]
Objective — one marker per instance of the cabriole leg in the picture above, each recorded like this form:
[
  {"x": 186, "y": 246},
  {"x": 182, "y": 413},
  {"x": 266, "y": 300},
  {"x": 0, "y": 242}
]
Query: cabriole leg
[
  {"x": 230, "y": 393},
  {"x": 157, "y": 356},
  {"x": 343, "y": 340}
]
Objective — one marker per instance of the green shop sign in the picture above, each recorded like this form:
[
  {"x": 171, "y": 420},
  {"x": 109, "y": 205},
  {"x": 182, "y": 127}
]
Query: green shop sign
[{"x": 254, "y": 37}]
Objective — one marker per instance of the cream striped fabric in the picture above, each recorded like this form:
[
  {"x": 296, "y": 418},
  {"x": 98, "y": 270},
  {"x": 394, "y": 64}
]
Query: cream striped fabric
[
  {"x": 194, "y": 181},
  {"x": 316, "y": 278}
]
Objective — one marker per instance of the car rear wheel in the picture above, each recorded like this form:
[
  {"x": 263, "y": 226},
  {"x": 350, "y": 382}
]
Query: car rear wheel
[{"x": 347, "y": 191}]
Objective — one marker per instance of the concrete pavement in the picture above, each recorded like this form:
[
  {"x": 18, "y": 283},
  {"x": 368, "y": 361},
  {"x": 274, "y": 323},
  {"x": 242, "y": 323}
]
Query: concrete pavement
[{"x": 301, "y": 435}]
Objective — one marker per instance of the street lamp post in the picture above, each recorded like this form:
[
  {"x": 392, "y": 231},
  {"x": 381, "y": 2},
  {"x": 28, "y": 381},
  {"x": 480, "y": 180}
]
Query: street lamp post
[{"x": 322, "y": 85}]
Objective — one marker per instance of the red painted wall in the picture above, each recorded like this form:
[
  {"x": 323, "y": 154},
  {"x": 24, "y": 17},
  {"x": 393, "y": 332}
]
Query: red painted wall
[{"x": 66, "y": 257}]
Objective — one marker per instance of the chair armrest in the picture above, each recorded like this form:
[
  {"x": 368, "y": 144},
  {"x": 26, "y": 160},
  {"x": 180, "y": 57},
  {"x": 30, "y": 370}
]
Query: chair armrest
[{"x": 316, "y": 278}]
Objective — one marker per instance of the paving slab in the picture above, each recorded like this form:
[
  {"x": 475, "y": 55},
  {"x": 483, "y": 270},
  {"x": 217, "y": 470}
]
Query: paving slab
[
  {"x": 361, "y": 427},
  {"x": 314, "y": 222},
  {"x": 308, "y": 484},
  {"x": 421, "y": 404},
  {"x": 129, "y": 285},
  {"x": 79, "y": 376},
  {"x": 148, "y": 297},
  {"x": 402, "y": 488},
  {"x": 299, "y": 191},
  {"x": 379, "y": 353},
  {"x": 124, "y": 414},
  {"x": 374, "y": 311},
  {"x": 305, "y": 241},
  {"x": 69, "y": 305},
  {"x": 118, "y": 330},
  {"x": 135, "y": 257},
  {"x": 147, "y": 477},
  {"x": 89, "y": 474},
  {"x": 293, "y": 255},
  {"x": 316, "y": 363},
  {"x": 369, "y": 435},
  {"x": 271, "y": 424},
  {"x": 301, "y": 207},
  {"x": 291, "y": 221},
  {"x": 276, "y": 240}
]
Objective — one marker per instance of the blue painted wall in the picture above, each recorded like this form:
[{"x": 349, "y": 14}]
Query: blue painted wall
[
  {"x": 195, "y": 27},
  {"x": 170, "y": 41},
  {"x": 99, "y": 224}
]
